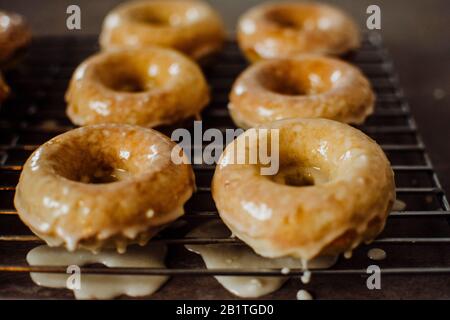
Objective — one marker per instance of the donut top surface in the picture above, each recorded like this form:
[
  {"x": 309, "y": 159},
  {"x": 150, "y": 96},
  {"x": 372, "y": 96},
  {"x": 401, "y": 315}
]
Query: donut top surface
[
  {"x": 147, "y": 86},
  {"x": 14, "y": 34},
  {"x": 192, "y": 27},
  {"x": 275, "y": 30},
  {"x": 103, "y": 183},
  {"x": 334, "y": 189},
  {"x": 305, "y": 86}
]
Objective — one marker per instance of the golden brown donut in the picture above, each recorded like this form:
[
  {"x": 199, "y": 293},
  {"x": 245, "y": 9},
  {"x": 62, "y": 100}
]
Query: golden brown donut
[
  {"x": 14, "y": 35},
  {"x": 148, "y": 87},
  {"x": 306, "y": 86},
  {"x": 334, "y": 189},
  {"x": 192, "y": 27},
  {"x": 275, "y": 30},
  {"x": 102, "y": 185},
  {"x": 4, "y": 89}
]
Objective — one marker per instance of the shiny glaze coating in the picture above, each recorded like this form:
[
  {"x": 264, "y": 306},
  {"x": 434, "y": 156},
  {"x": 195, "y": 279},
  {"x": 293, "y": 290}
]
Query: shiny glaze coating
[
  {"x": 14, "y": 35},
  {"x": 4, "y": 89},
  {"x": 275, "y": 30},
  {"x": 192, "y": 27},
  {"x": 147, "y": 87},
  {"x": 333, "y": 215},
  {"x": 307, "y": 86},
  {"x": 60, "y": 200}
]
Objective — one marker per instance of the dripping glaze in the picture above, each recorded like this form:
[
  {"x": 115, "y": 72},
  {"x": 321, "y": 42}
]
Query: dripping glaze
[
  {"x": 232, "y": 256},
  {"x": 97, "y": 286}
]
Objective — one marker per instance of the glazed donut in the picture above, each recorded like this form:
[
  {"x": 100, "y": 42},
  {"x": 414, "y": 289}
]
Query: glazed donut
[
  {"x": 333, "y": 190},
  {"x": 4, "y": 89},
  {"x": 147, "y": 87},
  {"x": 306, "y": 86},
  {"x": 276, "y": 30},
  {"x": 102, "y": 185},
  {"x": 14, "y": 35},
  {"x": 192, "y": 27}
]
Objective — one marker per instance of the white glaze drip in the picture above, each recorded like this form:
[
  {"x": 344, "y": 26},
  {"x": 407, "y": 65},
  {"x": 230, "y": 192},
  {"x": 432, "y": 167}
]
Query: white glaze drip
[
  {"x": 304, "y": 295},
  {"x": 306, "y": 277},
  {"x": 399, "y": 205},
  {"x": 95, "y": 286},
  {"x": 285, "y": 270},
  {"x": 348, "y": 254},
  {"x": 241, "y": 256}
]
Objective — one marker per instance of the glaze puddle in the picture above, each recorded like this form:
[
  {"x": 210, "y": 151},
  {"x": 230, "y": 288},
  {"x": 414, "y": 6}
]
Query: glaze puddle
[
  {"x": 238, "y": 256},
  {"x": 94, "y": 286},
  {"x": 376, "y": 254}
]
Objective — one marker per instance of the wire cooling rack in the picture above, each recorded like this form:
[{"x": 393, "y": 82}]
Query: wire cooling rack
[{"x": 416, "y": 240}]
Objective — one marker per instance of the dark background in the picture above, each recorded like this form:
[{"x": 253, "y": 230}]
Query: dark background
[{"x": 416, "y": 33}]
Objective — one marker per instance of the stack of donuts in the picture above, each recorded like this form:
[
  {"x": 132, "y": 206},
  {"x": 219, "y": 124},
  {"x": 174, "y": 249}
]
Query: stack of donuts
[{"x": 111, "y": 182}]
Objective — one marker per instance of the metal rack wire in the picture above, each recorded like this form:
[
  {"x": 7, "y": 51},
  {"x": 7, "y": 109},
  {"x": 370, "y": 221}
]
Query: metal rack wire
[{"x": 36, "y": 112}]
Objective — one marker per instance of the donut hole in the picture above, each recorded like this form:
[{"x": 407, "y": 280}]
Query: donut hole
[
  {"x": 124, "y": 75},
  {"x": 299, "y": 176},
  {"x": 127, "y": 83},
  {"x": 285, "y": 18},
  {"x": 286, "y": 85},
  {"x": 151, "y": 17},
  {"x": 300, "y": 77},
  {"x": 97, "y": 171},
  {"x": 107, "y": 153},
  {"x": 105, "y": 174},
  {"x": 303, "y": 17},
  {"x": 164, "y": 14},
  {"x": 101, "y": 157}
]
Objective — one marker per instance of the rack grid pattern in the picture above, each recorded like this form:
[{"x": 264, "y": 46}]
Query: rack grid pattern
[{"x": 416, "y": 239}]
